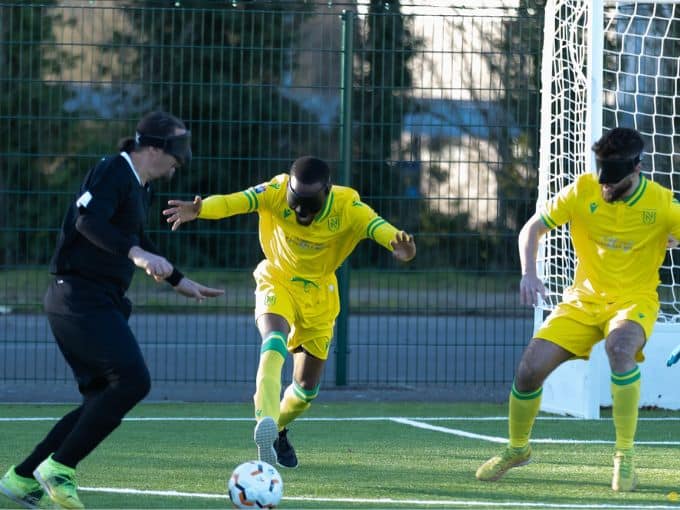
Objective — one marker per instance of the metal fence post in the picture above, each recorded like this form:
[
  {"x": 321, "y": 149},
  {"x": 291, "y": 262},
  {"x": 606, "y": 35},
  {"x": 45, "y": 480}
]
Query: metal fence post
[{"x": 344, "y": 179}]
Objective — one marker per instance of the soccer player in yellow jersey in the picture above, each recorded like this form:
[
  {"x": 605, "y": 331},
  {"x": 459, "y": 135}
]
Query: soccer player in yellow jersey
[
  {"x": 620, "y": 223},
  {"x": 308, "y": 227}
]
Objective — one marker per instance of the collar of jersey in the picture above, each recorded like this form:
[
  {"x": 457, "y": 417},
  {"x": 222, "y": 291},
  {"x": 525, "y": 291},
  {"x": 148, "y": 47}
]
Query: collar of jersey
[
  {"x": 637, "y": 194},
  {"x": 127, "y": 158},
  {"x": 326, "y": 207}
]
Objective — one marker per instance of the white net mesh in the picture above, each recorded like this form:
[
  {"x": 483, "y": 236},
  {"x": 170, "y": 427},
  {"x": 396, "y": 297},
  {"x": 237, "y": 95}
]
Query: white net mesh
[{"x": 639, "y": 47}]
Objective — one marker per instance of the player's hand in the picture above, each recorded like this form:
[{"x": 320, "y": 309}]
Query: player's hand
[
  {"x": 530, "y": 287},
  {"x": 673, "y": 357},
  {"x": 404, "y": 247},
  {"x": 154, "y": 265},
  {"x": 182, "y": 211},
  {"x": 192, "y": 289}
]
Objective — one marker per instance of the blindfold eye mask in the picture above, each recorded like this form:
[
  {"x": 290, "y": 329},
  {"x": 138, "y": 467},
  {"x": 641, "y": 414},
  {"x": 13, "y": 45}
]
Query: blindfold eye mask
[
  {"x": 178, "y": 146},
  {"x": 306, "y": 203},
  {"x": 611, "y": 171}
]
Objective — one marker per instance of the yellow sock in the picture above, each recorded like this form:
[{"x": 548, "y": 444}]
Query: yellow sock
[
  {"x": 268, "y": 380},
  {"x": 625, "y": 400},
  {"x": 523, "y": 409},
  {"x": 296, "y": 400}
]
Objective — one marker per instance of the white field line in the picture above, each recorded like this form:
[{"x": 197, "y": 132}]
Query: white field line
[
  {"x": 496, "y": 439},
  {"x": 382, "y": 501}
]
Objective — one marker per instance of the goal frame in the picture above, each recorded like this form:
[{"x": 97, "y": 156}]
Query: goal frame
[{"x": 580, "y": 387}]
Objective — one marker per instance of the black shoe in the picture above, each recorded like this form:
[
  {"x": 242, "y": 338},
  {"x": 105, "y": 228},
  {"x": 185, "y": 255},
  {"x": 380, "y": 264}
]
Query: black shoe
[{"x": 285, "y": 452}]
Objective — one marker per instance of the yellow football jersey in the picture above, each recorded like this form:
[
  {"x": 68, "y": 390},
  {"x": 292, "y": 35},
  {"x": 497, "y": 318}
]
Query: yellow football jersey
[
  {"x": 620, "y": 245},
  {"x": 312, "y": 251}
]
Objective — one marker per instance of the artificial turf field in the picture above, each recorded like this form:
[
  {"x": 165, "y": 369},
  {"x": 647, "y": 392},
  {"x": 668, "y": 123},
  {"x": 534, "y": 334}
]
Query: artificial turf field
[{"x": 358, "y": 455}]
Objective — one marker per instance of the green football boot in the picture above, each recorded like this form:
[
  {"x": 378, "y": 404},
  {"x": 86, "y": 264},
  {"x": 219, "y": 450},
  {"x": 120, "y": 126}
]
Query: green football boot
[
  {"x": 26, "y": 492},
  {"x": 625, "y": 479},
  {"x": 59, "y": 482},
  {"x": 494, "y": 468}
]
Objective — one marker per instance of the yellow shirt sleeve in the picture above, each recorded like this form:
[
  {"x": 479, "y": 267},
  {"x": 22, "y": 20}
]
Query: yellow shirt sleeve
[
  {"x": 674, "y": 218},
  {"x": 558, "y": 210},
  {"x": 368, "y": 224},
  {"x": 216, "y": 207}
]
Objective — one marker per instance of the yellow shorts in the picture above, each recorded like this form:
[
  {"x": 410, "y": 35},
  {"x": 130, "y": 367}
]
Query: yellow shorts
[
  {"x": 577, "y": 325},
  {"x": 310, "y": 307}
]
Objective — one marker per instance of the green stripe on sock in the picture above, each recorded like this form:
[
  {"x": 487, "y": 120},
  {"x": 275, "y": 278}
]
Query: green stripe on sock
[
  {"x": 627, "y": 377},
  {"x": 526, "y": 396},
  {"x": 303, "y": 394},
  {"x": 275, "y": 341}
]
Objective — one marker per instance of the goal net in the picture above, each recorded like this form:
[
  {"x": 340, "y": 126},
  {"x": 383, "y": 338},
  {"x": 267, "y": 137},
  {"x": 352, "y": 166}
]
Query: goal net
[{"x": 605, "y": 64}]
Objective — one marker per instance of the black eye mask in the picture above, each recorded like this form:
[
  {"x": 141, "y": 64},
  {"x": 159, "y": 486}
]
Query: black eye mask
[
  {"x": 306, "y": 203},
  {"x": 178, "y": 146},
  {"x": 611, "y": 171}
]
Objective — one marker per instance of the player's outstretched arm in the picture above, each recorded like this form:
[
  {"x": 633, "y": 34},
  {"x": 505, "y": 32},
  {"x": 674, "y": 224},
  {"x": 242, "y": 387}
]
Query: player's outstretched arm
[
  {"x": 192, "y": 289},
  {"x": 404, "y": 247},
  {"x": 182, "y": 211}
]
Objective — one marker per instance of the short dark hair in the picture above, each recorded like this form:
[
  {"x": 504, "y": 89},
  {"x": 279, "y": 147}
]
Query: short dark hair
[
  {"x": 310, "y": 170},
  {"x": 158, "y": 124},
  {"x": 619, "y": 143}
]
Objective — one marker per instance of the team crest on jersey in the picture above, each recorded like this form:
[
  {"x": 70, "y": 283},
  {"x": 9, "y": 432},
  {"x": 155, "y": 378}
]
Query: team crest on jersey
[
  {"x": 287, "y": 212},
  {"x": 649, "y": 216},
  {"x": 334, "y": 223}
]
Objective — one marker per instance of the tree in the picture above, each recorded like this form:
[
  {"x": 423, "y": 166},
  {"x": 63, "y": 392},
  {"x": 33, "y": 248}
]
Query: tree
[{"x": 35, "y": 132}]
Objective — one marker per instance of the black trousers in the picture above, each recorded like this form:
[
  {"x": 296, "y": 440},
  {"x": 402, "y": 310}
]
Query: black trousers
[{"x": 89, "y": 323}]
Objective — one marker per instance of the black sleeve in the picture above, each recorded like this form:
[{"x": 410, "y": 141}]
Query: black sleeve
[
  {"x": 147, "y": 244},
  {"x": 102, "y": 234},
  {"x": 102, "y": 193}
]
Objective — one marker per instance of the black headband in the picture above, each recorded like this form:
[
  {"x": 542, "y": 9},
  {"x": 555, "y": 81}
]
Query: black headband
[
  {"x": 178, "y": 146},
  {"x": 611, "y": 171}
]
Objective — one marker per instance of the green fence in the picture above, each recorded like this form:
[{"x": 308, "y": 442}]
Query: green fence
[{"x": 432, "y": 114}]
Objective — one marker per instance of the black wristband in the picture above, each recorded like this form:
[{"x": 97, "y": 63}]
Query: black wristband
[{"x": 175, "y": 277}]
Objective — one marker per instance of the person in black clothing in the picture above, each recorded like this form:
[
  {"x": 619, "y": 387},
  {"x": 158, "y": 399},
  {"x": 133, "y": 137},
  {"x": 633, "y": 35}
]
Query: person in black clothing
[{"x": 101, "y": 241}]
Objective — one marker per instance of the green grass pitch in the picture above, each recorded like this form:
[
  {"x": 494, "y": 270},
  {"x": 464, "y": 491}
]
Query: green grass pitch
[{"x": 358, "y": 455}]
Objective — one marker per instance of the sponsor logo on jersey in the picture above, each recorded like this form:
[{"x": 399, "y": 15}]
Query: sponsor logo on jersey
[{"x": 260, "y": 188}]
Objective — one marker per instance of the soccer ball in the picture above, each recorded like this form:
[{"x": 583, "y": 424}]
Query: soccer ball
[{"x": 255, "y": 484}]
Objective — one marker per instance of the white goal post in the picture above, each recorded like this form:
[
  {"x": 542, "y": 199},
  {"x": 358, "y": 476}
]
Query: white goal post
[{"x": 606, "y": 64}]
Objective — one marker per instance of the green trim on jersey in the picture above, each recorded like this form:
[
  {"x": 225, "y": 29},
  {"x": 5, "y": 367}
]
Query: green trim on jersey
[
  {"x": 253, "y": 204},
  {"x": 639, "y": 191},
  {"x": 326, "y": 208},
  {"x": 373, "y": 226},
  {"x": 548, "y": 221}
]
